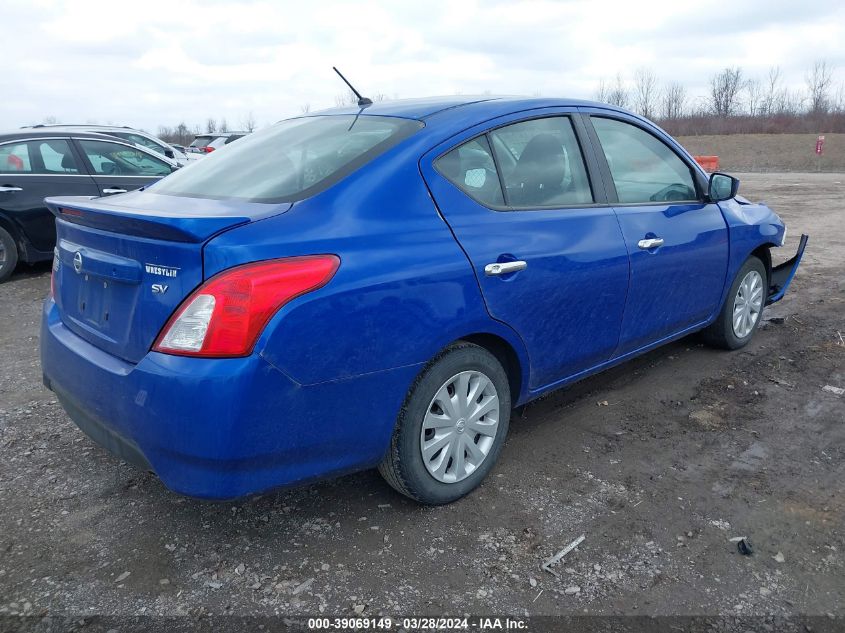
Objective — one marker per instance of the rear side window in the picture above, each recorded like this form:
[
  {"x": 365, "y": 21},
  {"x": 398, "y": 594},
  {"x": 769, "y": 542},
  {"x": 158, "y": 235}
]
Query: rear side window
[
  {"x": 14, "y": 159},
  {"x": 48, "y": 156},
  {"x": 470, "y": 167},
  {"x": 291, "y": 160},
  {"x": 113, "y": 159},
  {"x": 541, "y": 164},
  {"x": 644, "y": 169}
]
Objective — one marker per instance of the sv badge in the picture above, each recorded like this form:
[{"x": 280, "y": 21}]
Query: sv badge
[{"x": 159, "y": 289}]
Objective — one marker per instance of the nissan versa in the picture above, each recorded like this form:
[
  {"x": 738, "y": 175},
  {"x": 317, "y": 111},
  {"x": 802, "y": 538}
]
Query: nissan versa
[{"x": 379, "y": 286}]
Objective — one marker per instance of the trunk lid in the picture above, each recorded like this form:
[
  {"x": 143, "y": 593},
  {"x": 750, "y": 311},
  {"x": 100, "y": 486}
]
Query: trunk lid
[{"x": 125, "y": 263}]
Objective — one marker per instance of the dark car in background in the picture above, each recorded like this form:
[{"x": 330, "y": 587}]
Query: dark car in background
[
  {"x": 40, "y": 162},
  {"x": 206, "y": 143}
]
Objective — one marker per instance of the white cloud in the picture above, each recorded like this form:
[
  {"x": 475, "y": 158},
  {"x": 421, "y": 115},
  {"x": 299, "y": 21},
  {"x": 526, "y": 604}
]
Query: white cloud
[{"x": 162, "y": 61}]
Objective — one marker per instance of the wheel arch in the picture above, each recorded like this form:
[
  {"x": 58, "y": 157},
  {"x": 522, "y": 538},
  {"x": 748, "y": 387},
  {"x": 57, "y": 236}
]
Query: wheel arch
[
  {"x": 763, "y": 253},
  {"x": 507, "y": 355}
]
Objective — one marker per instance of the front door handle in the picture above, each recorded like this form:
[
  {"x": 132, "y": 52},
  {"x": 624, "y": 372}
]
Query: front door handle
[
  {"x": 503, "y": 268},
  {"x": 9, "y": 189},
  {"x": 652, "y": 242},
  {"x": 108, "y": 191}
]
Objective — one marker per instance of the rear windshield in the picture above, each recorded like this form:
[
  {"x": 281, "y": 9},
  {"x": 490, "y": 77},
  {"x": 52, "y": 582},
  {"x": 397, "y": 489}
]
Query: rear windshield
[
  {"x": 289, "y": 161},
  {"x": 201, "y": 141}
]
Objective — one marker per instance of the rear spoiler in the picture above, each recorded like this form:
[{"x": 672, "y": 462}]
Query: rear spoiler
[{"x": 102, "y": 214}]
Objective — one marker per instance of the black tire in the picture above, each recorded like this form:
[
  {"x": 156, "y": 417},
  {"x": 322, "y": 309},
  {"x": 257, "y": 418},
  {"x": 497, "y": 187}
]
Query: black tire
[
  {"x": 403, "y": 467},
  {"x": 7, "y": 265},
  {"x": 721, "y": 332}
]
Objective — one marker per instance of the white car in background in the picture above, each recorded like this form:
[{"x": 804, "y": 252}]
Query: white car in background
[{"x": 136, "y": 137}]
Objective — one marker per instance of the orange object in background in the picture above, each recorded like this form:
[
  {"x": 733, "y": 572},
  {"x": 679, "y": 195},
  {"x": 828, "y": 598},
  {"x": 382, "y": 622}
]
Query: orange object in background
[{"x": 708, "y": 163}]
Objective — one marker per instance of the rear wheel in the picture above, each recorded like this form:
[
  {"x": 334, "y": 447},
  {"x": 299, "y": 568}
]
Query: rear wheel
[
  {"x": 743, "y": 309},
  {"x": 451, "y": 427},
  {"x": 8, "y": 255}
]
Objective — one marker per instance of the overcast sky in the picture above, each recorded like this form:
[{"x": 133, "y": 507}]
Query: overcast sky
[{"x": 164, "y": 61}]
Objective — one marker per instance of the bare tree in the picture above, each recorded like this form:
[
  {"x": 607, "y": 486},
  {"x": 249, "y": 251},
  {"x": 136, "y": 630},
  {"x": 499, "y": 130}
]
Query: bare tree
[
  {"x": 248, "y": 122},
  {"x": 305, "y": 108},
  {"x": 614, "y": 94},
  {"x": 345, "y": 99},
  {"x": 768, "y": 105},
  {"x": 754, "y": 97},
  {"x": 49, "y": 120},
  {"x": 724, "y": 91},
  {"x": 673, "y": 101},
  {"x": 224, "y": 127},
  {"x": 645, "y": 92},
  {"x": 819, "y": 79},
  {"x": 211, "y": 126}
]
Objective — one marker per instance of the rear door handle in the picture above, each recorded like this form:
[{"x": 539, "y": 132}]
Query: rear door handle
[
  {"x": 9, "y": 189},
  {"x": 652, "y": 242},
  {"x": 107, "y": 191},
  {"x": 503, "y": 268}
]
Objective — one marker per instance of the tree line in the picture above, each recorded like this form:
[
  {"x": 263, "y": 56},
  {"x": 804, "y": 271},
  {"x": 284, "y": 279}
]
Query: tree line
[{"x": 734, "y": 102}]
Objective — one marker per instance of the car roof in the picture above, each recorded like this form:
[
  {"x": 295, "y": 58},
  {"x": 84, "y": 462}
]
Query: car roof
[
  {"x": 49, "y": 132},
  {"x": 220, "y": 134},
  {"x": 491, "y": 105},
  {"x": 81, "y": 126}
]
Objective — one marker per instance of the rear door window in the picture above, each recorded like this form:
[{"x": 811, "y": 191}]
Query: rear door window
[
  {"x": 542, "y": 164},
  {"x": 471, "y": 168},
  {"x": 55, "y": 157},
  {"x": 644, "y": 168}
]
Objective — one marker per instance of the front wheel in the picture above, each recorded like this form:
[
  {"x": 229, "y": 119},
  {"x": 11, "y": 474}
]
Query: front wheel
[
  {"x": 743, "y": 309},
  {"x": 451, "y": 427}
]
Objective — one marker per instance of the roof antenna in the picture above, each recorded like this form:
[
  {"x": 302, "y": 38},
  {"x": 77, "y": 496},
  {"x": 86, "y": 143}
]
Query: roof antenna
[{"x": 362, "y": 101}]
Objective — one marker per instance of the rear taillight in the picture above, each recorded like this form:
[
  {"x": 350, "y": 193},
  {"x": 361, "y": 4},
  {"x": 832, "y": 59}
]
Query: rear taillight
[
  {"x": 208, "y": 149},
  {"x": 224, "y": 317}
]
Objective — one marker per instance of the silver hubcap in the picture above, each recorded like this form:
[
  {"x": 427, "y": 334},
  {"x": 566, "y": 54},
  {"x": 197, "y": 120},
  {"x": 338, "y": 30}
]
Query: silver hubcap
[
  {"x": 2, "y": 254},
  {"x": 460, "y": 426},
  {"x": 747, "y": 304}
]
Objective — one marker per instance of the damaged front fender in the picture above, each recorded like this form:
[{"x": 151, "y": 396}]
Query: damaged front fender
[{"x": 782, "y": 275}]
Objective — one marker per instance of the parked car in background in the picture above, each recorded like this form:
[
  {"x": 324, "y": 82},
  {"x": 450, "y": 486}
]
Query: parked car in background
[
  {"x": 42, "y": 162},
  {"x": 206, "y": 143},
  {"x": 380, "y": 285},
  {"x": 138, "y": 137}
]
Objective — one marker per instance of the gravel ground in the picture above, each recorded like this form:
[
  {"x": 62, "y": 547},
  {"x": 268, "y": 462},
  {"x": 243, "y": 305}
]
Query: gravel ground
[{"x": 658, "y": 463}]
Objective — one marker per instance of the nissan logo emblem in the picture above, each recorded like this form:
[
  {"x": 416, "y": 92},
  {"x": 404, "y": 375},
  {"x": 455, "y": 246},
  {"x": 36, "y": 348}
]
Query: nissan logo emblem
[{"x": 77, "y": 262}]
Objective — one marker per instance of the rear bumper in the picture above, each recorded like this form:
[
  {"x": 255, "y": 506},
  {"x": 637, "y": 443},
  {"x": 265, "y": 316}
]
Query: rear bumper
[
  {"x": 782, "y": 275},
  {"x": 220, "y": 428}
]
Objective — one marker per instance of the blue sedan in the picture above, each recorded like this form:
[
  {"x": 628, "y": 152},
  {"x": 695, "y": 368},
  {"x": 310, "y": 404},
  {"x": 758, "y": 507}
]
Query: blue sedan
[{"x": 380, "y": 286}]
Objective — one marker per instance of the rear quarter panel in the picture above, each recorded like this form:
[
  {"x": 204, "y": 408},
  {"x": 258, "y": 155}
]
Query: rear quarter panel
[{"x": 404, "y": 288}]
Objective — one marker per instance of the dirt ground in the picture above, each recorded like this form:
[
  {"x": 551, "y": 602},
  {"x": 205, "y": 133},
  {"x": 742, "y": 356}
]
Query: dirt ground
[
  {"x": 658, "y": 463},
  {"x": 770, "y": 152}
]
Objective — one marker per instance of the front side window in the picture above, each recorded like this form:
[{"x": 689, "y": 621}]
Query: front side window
[
  {"x": 644, "y": 169},
  {"x": 291, "y": 160},
  {"x": 541, "y": 163},
  {"x": 471, "y": 168},
  {"x": 113, "y": 159}
]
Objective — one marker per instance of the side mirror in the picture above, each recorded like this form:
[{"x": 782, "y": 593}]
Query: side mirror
[
  {"x": 722, "y": 187},
  {"x": 169, "y": 153}
]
